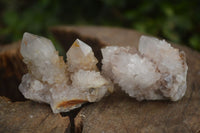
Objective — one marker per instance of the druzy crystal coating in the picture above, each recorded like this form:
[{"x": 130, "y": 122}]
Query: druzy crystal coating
[{"x": 155, "y": 71}]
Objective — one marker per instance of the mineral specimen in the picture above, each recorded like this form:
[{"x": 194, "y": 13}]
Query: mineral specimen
[
  {"x": 156, "y": 71},
  {"x": 63, "y": 86},
  {"x": 80, "y": 56}
]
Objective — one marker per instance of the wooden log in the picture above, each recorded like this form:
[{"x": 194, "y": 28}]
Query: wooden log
[
  {"x": 30, "y": 117},
  {"x": 120, "y": 113},
  {"x": 11, "y": 70}
]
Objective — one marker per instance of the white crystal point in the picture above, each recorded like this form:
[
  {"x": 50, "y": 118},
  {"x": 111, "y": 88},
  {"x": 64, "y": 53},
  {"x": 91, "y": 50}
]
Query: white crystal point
[
  {"x": 81, "y": 56},
  {"x": 50, "y": 81},
  {"x": 42, "y": 59},
  {"x": 170, "y": 62},
  {"x": 45, "y": 67},
  {"x": 34, "y": 46},
  {"x": 157, "y": 71}
]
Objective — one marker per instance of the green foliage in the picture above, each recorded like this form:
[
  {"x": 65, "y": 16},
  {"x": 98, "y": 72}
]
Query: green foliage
[{"x": 177, "y": 20}]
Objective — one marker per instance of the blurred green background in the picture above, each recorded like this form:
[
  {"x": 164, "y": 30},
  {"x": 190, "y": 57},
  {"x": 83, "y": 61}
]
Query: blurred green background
[{"x": 177, "y": 21}]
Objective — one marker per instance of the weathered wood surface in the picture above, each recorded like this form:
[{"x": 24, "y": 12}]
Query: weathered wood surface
[
  {"x": 120, "y": 113},
  {"x": 30, "y": 117},
  {"x": 11, "y": 70}
]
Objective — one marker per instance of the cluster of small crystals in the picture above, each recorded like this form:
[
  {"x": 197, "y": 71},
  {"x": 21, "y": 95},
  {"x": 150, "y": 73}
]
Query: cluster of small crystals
[
  {"x": 156, "y": 71},
  {"x": 51, "y": 80}
]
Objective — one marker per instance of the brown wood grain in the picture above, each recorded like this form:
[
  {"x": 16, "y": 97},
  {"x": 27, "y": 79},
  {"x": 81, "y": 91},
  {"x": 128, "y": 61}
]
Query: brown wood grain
[
  {"x": 11, "y": 70},
  {"x": 118, "y": 113},
  {"x": 30, "y": 117}
]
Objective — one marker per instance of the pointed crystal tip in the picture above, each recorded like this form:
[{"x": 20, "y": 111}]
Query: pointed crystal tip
[
  {"x": 81, "y": 56},
  {"x": 28, "y": 37},
  {"x": 85, "y": 49}
]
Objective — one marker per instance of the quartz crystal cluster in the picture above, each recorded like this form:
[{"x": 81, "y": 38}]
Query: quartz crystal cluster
[
  {"x": 64, "y": 86},
  {"x": 155, "y": 71}
]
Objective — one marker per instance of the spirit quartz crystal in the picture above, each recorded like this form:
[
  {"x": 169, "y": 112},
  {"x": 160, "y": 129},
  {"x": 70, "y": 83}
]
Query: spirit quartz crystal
[
  {"x": 156, "y": 71},
  {"x": 64, "y": 86}
]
